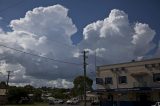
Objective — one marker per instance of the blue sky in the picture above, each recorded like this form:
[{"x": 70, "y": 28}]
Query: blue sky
[{"x": 115, "y": 30}]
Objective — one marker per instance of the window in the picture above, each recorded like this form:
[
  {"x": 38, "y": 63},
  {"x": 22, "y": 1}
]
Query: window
[
  {"x": 156, "y": 77},
  {"x": 122, "y": 79},
  {"x": 99, "y": 80},
  {"x": 108, "y": 80}
]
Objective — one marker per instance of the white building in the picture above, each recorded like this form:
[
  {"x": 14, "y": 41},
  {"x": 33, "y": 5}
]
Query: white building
[{"x": 136, "y": 82}]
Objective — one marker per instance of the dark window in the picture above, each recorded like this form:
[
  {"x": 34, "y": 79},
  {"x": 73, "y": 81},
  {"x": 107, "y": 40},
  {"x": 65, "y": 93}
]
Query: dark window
[
  {"x": 108, "y": 80},
  {"x": 99, "y": 80},
  {"x": 122, "y": 79},
  {"x": 156, "y": 77}
]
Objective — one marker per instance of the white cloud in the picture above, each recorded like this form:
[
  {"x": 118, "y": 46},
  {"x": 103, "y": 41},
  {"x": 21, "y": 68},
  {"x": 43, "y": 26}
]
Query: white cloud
[
  {"x": 1, "y": 31},
  {"x": 45, "y": 30},
  {"x": 142, "y": 38},
  {"x": 52, "y": 21},
  {"x": 121, "y": 40},
  {"x": 42, "y": 31},
  {"x": 18, "y": 77}
]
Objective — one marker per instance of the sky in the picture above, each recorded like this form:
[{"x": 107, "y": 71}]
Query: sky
[{"x": 113, "y": 31}]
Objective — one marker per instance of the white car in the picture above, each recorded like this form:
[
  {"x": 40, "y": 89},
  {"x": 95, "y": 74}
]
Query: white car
[
  {"x": 69, "y": 101},
  {"x": 73, "y": 101},
  {"x": 58, "y": 101},
  {"x": 156, "y": 104}
]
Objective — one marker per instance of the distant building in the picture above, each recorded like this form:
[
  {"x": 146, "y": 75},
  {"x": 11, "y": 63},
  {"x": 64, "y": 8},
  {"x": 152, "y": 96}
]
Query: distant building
[
  {"x": 135, "y": 83},
  {"x": 90, "y": 96},
  {"x": 3, "y": 97},
  {"x": 45, "y": 95}
]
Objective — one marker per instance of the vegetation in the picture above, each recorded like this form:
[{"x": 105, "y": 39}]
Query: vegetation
[
  {"x": 60, "y": 93},
  {"x": 15, "y": 94},
  {"x": 79, "y": 85},
  {"x": 3, "y": 84},
  {"x": 30, "y": 94}
]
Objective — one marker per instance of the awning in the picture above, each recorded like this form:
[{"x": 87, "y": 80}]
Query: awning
[
  {"x": 126, "y": 90},
  {"x": 139, "y": 74}
]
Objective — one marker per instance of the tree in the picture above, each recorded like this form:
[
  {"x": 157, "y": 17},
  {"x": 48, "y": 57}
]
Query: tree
[
  {"x": 15, "y": 94},
  {"x": 59, "y": 93},
  {"x": 3, "y": 84},
  {"x": 78, "y": 88},
  {"x": 37, "y": 95}
]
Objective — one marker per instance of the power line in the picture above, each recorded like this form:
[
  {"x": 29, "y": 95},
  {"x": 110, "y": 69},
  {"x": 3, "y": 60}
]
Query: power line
[
  {"x": 60, "y": 61},
  {"x": 5, "y": 21},
  {"x": 20, "y": 2}
]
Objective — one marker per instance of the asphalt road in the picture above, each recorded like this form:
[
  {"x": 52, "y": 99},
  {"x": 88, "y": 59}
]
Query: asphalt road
[
  {"x": 80, "y": 104},
  {"x": 46, "y": 104}
]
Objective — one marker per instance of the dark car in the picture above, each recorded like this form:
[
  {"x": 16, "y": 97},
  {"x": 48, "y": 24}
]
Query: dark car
[
  {"x": 95, "y": 102},
  {"x": 51, "y": 102}
]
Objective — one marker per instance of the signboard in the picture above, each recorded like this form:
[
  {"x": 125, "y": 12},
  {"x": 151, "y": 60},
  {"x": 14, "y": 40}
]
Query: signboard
[{"x": 2, "y": 92}]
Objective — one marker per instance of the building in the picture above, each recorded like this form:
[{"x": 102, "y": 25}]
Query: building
[
  {"x": 90, "y": 96},
  {"x": 3, "y": 96},
  {"x": 135, "y": 83}
]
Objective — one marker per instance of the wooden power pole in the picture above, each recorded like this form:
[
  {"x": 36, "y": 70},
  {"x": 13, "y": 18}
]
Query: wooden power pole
[{"x": 84, "y": 66}]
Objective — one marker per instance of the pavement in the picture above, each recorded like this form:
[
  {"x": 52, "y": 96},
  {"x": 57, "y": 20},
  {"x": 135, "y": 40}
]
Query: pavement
[
  {"x": 79, "y": 104},
  {"x": 46, "y": 104}
]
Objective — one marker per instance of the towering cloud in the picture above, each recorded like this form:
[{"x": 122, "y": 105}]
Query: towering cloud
[
  {"x": 43, "y": 31},
  {"x": 116, "y": 39},
  {"x": 47, "y": 31}
]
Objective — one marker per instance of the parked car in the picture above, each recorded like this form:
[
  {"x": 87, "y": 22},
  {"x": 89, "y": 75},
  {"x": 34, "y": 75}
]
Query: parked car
[
  {"x": 72, "y": 101},
  {"x": 69, "y": 101},
  {"x": 95, "y": 102},
  {"x": 51, "y": 102},
  {"x": 75, "y": 101},
  {"x": 58, "y": 101},
  {"x": 156, "y": 104}
]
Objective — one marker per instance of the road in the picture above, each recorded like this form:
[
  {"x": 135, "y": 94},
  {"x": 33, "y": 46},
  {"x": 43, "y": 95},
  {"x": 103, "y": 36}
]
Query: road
[
  {"x": 45, "y": 104},
  {"x": 80, "y": 104}
]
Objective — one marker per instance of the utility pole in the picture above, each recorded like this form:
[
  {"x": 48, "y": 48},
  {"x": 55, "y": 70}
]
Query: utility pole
[
  {"x": 95, "y": 61},
  {"x": 84, "y": 66},
  {"x": 8, "y": 77},
  {"x": 8, "y": 81}
]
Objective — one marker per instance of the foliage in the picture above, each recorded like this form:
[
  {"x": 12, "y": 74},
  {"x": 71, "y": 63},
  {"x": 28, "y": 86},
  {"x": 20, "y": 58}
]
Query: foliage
[
  {"x": 79, "y": 85},
  {"x": 15, "y": 94},
  {"x": 59, "y": 93},
  {"x": 3, "y": 84},
  {"x": 37, "y": 95}
]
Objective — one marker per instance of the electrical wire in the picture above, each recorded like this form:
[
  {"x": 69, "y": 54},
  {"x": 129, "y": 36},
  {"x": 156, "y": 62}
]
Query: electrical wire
[
  {"x": 20, "y": 2},
  {"x": 59, "y": 61}
]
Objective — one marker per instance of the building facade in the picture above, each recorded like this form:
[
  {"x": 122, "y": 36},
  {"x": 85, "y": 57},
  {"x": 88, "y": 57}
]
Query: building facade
[
  {"x": 90, "y": 96},
  {"x": 129, "y": 84},
  {"x": 3, "y": 96}
]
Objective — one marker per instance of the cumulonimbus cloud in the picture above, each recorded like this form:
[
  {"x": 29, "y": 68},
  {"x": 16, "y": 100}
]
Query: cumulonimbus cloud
[
  {"x": 45, "y": 31},
  {"x": 121, "y": 40}
]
